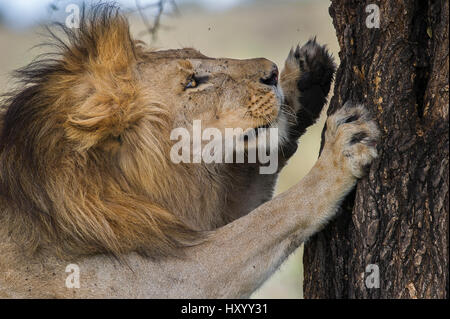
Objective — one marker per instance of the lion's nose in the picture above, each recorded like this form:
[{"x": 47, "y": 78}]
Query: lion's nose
[{"x": 272, "y": 78}]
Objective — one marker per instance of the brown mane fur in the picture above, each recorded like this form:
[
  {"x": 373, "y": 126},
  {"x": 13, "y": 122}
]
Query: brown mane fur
[{"x": 60, "y": 186}]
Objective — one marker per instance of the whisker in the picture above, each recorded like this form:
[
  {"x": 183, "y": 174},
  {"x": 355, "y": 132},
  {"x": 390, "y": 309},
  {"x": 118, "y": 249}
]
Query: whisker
[{"x": 290, "y": 77}]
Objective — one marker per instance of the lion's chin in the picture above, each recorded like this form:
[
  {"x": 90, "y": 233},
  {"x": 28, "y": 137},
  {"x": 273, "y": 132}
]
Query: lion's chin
[
  {"x": 260, "y": 128},
  {"x": 273, "y": 122}
]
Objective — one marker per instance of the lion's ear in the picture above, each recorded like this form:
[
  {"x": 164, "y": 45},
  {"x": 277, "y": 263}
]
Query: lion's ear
[
  {"x": 100, "y": 59},
  {"x": 104, "y": 115}
]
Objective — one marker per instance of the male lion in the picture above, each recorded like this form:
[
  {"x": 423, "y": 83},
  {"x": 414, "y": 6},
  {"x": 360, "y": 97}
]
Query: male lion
[{"x": 86, "y": 176}]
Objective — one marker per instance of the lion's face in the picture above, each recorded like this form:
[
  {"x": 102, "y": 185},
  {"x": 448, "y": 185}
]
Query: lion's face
[{"x": 222, "y": 93}]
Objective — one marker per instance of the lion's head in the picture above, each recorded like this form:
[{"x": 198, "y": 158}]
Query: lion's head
[{"x": 84, "y": 149}]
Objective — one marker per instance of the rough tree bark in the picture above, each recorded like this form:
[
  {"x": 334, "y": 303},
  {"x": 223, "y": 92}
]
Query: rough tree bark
[{"x": 397, "y": 218}]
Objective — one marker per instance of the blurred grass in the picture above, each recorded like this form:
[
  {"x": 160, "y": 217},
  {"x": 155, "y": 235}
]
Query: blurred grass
[{"x": 257, "y": 29}]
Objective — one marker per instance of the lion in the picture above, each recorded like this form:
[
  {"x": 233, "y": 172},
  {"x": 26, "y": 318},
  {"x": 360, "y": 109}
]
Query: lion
[{"x": 86, "y": 178}]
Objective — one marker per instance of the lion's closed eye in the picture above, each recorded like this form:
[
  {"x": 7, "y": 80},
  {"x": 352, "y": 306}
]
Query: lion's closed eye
[{"x": 196, "y": 81}]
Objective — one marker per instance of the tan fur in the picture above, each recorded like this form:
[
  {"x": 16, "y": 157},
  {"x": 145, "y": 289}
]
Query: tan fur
[{"x": 85, "y": 172}]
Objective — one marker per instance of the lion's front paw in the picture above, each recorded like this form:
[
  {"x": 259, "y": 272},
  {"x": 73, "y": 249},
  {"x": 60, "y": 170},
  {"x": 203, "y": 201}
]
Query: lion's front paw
[
  {"x": 316, "y": 66},
  {"x": 307, "y": 77},
  {"x": 351, "y": 137}
]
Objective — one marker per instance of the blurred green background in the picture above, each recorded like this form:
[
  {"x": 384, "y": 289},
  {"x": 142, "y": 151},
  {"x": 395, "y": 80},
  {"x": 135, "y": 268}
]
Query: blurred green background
[{"x": 234, "y": 29}]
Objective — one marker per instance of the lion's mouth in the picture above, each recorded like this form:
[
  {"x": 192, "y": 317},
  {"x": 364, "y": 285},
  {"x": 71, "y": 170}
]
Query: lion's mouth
[{"x": 262, "y": 127}]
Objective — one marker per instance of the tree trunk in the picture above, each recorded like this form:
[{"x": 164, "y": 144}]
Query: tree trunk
[{"x": 396, "y": 222}]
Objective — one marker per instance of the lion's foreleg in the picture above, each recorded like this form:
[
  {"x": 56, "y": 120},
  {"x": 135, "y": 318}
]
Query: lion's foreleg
[{"x": 240, "y": 256}]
